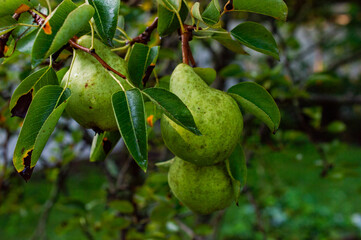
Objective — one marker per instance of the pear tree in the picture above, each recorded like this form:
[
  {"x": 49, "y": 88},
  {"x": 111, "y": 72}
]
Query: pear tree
[{"x": 105, "y": 86}]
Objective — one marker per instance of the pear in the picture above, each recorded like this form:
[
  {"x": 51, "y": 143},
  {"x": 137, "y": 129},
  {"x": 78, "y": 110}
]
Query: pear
[
  {"x": 215, "y": 113},
  {"x": 92, "y": 87},
  {"x": 203, "y": 189}
]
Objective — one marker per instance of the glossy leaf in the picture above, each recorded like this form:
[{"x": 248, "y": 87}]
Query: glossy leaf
[
  {"x": 8, "y": 7},
  {"x": 106, "y": 18},
  {"x": 61, "y": 29},
  {"x": 141, "y": 57},
  {"x": 207, "y": 74},
  {"x": 7, "y": 23},
  {"x": 27, "y": 89},
  {"x": 102, "y": 145},
  {"x": 274, "y": 8},
  {"x": 237, "y": 168},
  {"x": 44, "y": 112},
  {"x": 130, "y": 116},
  {"x": 256, "y": 37},
  {"x": 255, "y": 99},
  {"x": 173, "y": 107},
  {"x": 168, "y": 21}
]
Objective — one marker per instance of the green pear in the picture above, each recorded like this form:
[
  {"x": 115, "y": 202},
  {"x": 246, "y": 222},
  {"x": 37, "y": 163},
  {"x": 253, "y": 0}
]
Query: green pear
[
  {"x": 203, "y": 189},
  {"x": 215, "y": 113},
  {"x": 92, "y": 87}
]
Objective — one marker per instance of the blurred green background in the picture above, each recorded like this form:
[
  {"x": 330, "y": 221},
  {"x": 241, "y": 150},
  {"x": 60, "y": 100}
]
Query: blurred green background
[{"x": 303, "y": 182}]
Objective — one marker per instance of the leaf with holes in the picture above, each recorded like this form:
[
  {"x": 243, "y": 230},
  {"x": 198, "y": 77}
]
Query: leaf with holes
[
  {"x": 141, "y": 57},
  {"x": 106, "y": 18},
  {"x": 27, "y": 89},
  {"x": 256, "y": 37},
  {"x": 60, "y": 29},
  {"x": 173, "y": 107},
  {"x": 129, "y": 113},
  {"x": 274, "y": 8},
  {"x": 102, "y": 145},
  {"x": 237, "y": 169},
  {"x": 255, "y": 99},
  {"x": 44, "y": 112}
]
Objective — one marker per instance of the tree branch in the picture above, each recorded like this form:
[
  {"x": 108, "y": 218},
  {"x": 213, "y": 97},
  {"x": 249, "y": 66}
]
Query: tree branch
[
  {"x": 144, "y": 37},
  {"x": 96, "y": 56}
]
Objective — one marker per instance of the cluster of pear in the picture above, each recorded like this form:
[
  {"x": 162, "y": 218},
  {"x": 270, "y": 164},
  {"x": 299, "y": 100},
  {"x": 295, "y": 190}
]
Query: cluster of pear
[
  {"x": 92, "y": 86},
  {"x": 198, "y": 176}
]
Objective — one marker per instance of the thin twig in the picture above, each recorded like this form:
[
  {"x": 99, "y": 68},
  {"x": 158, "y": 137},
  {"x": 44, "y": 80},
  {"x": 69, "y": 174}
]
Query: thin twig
[
  {"x": 144, "y": 37},
  {"x": 96, "y": 56}
]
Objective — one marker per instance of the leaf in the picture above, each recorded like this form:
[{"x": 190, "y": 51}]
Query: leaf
[
  {"x": 61, "y": 29},
  {"x": 173, "y": 107},
  {"x": 7, "y": 23},
  {"x": 8, "y": 7},
  {"x": 237, "y": 169},
  {"x": 256, "y": 100},
  {"x": 212, "y": 13},
  {"x": 256, "y": 37},
  {"x": 44, "y": 112},
  {"x": 207, "y": 74},
  {"x": 130, "y": 116},
  {"x": 224, "y": 38},
  {"x": 274, "y": 8},
  {"x": 171, "y": 5},
  {"x": 28, "y": 88},
  {"x": 102, "y": 145},
  {"x": 106, "y": 18},
  {"x": 141, "y": 57},
  {"x": 168, "y": 21}
]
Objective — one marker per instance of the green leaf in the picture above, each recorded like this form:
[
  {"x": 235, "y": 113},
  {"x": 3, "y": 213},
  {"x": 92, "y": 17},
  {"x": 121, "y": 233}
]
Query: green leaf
[
  {"x": 237, "y": 169},
  {"x": 168, "y": 21},
  {"x": 212, "y": 13},
  {"x": 171, "y": 5},
  {"x": 256, "y": 37},
  {"x": 256, "y": 100},
  {"x": 141, "y": 57},
  {"x": 8, "y": 7},
  {"x": 207, "y": 74},
  {"x": 44, "y": 112},
  {"x": 28, "y": 88},
  {"x": 224, "y": 38},
  {"x": 102, "y": 145},
  {"x": 7, "y": 23},
  {"x": 60, "y": 29},
  {"x": 130, "y": 116},
  {"x": 274, "y": 8},
  {"x": 106, "y": 18},
  {"x": 196, "y": 12},
  {"x": 173, "y": 107}
]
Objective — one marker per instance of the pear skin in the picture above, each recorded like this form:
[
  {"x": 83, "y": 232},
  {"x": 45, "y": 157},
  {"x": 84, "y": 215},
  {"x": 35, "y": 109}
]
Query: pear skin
[
  {"x": 215, "y": 113},
  {"x": 92, "y": 87},
  {"x": 203, "y": 189}
]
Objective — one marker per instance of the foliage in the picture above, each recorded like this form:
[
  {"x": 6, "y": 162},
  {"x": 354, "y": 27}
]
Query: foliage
[{"x": 296, "y": 178}]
